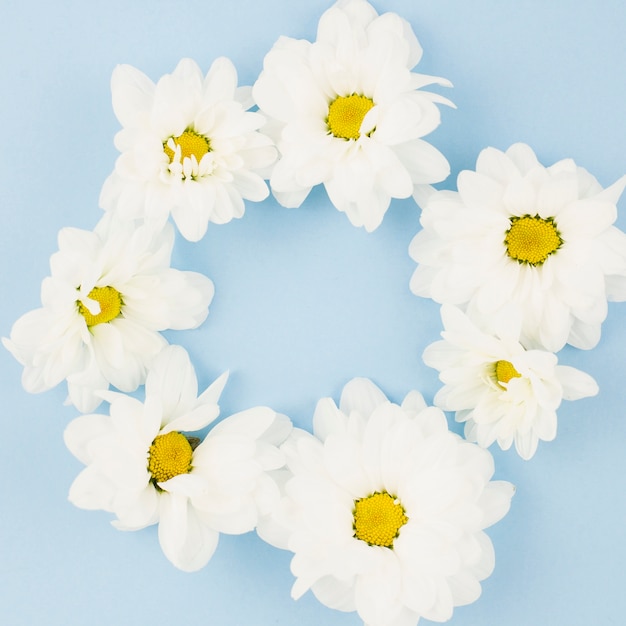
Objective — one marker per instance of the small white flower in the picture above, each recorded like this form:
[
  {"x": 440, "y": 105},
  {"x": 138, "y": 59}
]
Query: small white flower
[
  {"x": 518, "y": 232},
  {"x": 110, "y": 291},
  {"x": 349, "y": 113},
  {"x": 502, "y": 391},
  {"x": 385, "y": 509},
  {"x": 189, "y": 147},
  {"x": 142, "y": 467}
]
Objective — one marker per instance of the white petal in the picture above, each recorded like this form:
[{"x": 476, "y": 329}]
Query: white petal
[
  {"x": 279, "y": 431},
  {"x": 251, "y": 186},
  {"x": 424, "y": 163},
  {"x": 335, "y": 593},
  {"x": 526, "y": 444},
  {"x": 92, "y": 490},
  {"x": 194, "y": 420},
  {"x": 614, "y": 191},
  {"x": 523, "y": 156},
  {"x": 220, "y": 82},
  {"x": 328, "y": 419},
  {"x": 124, "y": 350},
  {"x": 495, "y": 501},
  {"x": 212, "y": 393},
  {"x": 82, "y": 432},
  {"x": 361, "y": 395},
  {"x": 376, "y": 592},
  {"x": 136, "y": 509},
  {"x": 173, "y": 381},
  {"x": 576, "y": 384},
  {"x": 185, "y": 540},
  {"x": 191, "y": 213},
  {"x": 85, "y": 388},
  {"x": 249, "y": 424},
  {"x": 586, "y": 217},
  {"x": 344, "y": 462},
  {"x": 190, "y": 485},
  {"x": 495, "y": 164},
  {"x": 133, "y": 93},
  {"x": 413, "y": 403}
]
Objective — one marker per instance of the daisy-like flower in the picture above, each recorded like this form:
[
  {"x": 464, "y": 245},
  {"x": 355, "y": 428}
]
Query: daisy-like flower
[
  {"x": 518, "y": 232},
  {"x": 144, "y": 467},
  {"x": 110, "y": 291},
  {"x": 189, "y": 147},
  {"x": 501, "y": 391},
  {"x": 348, "y": 112},
  {"x": 385, "y": 509}
]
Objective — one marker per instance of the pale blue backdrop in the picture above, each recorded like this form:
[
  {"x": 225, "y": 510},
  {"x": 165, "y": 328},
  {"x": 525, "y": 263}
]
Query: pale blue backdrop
[{"x": 303, "y": 302}]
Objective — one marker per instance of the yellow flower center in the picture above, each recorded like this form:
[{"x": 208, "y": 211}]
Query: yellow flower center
[
  {"x": 378, "y": 519},
  {"x": 504, "y": 371},
  {"x": 169, "y": 456},
  {"x": 191, "y": 144},
  {"x": 532, "y": 239},
  {"x": 345, "y": 115},
  {"x": 110, "y": 301}
]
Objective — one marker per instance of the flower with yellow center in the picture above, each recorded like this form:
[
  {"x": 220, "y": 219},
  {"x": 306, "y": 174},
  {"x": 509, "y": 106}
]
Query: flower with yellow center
[
  {"x": 190, "y": 148},
  {"x": 349, "y": 113},
  {"x": 377, "y": 513},
  {"x": 501, "y": 391},
  {"x": 110, "y": 293},
  {"x": 539, "y": 238},
  {"x": 143, "y": 467}
]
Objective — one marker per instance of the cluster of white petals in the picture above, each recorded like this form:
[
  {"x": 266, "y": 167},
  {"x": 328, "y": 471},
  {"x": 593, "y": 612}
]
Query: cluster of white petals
[
  {"x": 57, "y": 342},
  {"x": 189, "y": 147},
  {"x": 502, "y": 391},
  {"x": 541, "y": 238},
  {"x": 348, "y": 112},
  {"x": 369, "y": 446},
  {"x": 226, "y": 485}
]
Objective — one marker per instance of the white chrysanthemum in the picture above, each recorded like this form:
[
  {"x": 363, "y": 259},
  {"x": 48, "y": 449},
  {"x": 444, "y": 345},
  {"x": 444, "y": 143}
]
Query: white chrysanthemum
[
  {"x": 502, "y": 391},
  {"x": 110, "y": 291},
  {"x": 189, "y": 147},
  {"x": 142, "y": 467},
  {"x": 349, "y": 113},
  {"x": 519, "y": 232},
  {"x": 386, "y": 508}
]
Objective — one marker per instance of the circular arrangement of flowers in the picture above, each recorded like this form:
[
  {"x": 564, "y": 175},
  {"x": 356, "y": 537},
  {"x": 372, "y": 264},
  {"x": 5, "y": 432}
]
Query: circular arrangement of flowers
[{"x": 383, "y": 507}]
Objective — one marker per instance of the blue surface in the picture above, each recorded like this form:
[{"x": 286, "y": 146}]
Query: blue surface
[{"x": 303, "y": 303}]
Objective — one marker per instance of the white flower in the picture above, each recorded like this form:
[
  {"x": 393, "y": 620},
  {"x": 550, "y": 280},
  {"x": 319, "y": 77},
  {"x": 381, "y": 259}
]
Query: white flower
[
  {"x": 502, "y": 391},
  {"x": 144, "y": 469},
  {"x": 386, "y": 509},
  {"x": 188, "y": 145},
  {"x": 516, "y": 231},
  {"x": 110, "y": 291},
  {"x": 349, "y": 113}
]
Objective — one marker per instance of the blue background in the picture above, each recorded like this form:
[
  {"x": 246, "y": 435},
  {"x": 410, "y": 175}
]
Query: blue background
[{"x": 303, "y": 303}]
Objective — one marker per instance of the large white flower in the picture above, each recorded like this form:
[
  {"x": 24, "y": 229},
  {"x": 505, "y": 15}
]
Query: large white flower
[
  {"x": 386, "y": 508},
  {"x": 110, "y": 291},
  {"x": 144, "y": 468},
  {"x": 516, "y": 231},
  {"x": 502, "y": 391},
  {"x": 349, "y": 113},
  {"x": 189, "y": 147}
]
